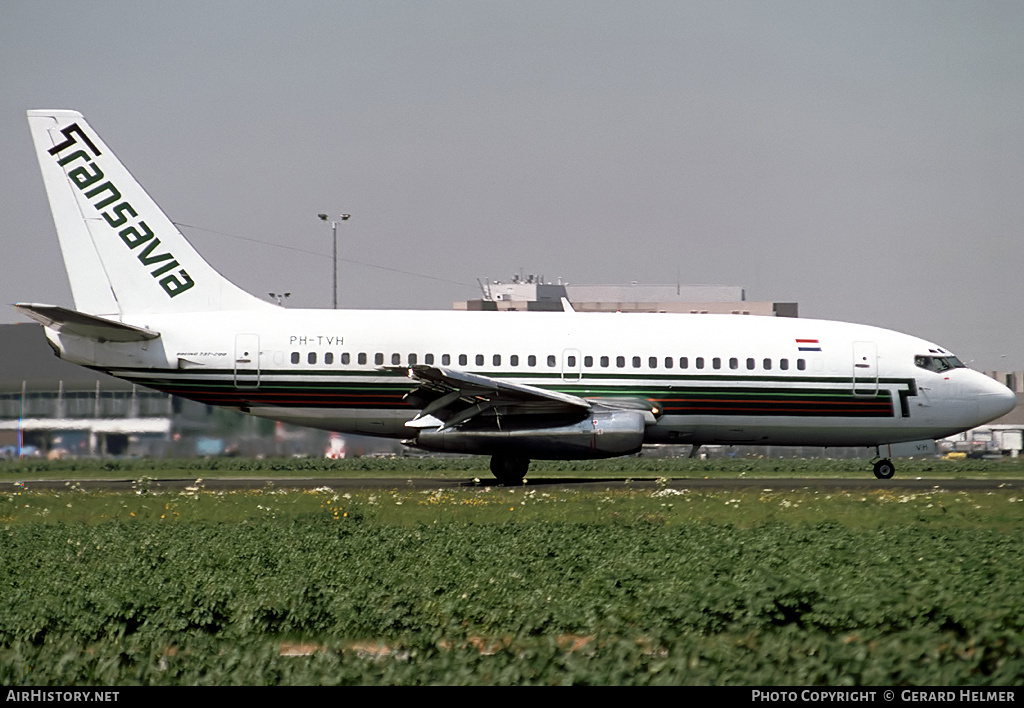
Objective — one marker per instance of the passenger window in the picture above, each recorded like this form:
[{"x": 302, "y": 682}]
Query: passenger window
[
  {"x": 463, "y": 359},
  {"x": 412, "y": 360},
  {"x": 345, "y": 358},
  {"x": 668, "y": 362},
  {"x": 378, "y": 358},
  {"x": 531, "y": 360},
  {"x": 311, "y": 357},
  {"x": 784, "y": 364},
  {"x": 496, "y": 360},
  {"x": 620, "y": 361},
  {"x": 684, "y": 362},
  {"x": 734, "y": 363},
  {"x": 588, "y": 361},
  {"x": 295, "y": 357},
  {"x": 446, "y": 360},
  {"x": 636, "y": 362},
  {"x": 604, "y": 362},
  {"x": 652, "y": 362},
  {"x": 551, "y": 359},
  {"x": 699, "y": 362},
  {"x": 750, "y": 364},
  {"x": 514, "y": 360},
  {"x": 570, "y": 361},
  {"x": 428, "y": 359},
  {"x": 479, "y": 359},
  {"x": 396, "y": 358},
  {"x": 801, "y": 364},
  {"x": 329, "y": 358},
  {"x": 716, "y": 363},
  {"x": 362, "y": 358},
  {"x": 767, "y": 364}
]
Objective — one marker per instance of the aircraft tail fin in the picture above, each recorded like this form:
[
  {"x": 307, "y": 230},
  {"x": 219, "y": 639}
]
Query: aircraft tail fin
[{"x": 122, "y": 253}]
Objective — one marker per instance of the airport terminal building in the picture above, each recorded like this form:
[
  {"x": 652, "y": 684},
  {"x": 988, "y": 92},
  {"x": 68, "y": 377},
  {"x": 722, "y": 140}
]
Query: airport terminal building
[
  {"x": 48, "y": 404},
  {"x": 49, "y": 407},
  {"x": 532, "y": 294}
]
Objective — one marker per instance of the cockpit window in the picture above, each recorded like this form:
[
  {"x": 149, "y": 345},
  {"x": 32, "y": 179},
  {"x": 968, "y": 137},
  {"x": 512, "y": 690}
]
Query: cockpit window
[{"x": 938, "y": 363}]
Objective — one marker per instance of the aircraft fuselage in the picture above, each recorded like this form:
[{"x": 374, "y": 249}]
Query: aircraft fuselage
[{"x": 712, "y": 378}]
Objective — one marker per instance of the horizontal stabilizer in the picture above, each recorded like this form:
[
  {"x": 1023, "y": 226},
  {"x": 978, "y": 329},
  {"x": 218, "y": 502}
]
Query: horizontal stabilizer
[{"x": 62, "y": 319}]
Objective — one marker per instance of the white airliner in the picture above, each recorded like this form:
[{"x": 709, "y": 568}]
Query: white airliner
[{"x": 553, "y": 385}]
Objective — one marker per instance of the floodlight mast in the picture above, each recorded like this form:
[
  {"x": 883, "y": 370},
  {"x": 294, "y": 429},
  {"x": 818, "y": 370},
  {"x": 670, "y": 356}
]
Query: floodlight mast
[{"x": 334, "y": 260}]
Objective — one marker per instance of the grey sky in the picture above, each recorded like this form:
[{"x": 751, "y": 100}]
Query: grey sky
[{"x": 864, "y": 159}]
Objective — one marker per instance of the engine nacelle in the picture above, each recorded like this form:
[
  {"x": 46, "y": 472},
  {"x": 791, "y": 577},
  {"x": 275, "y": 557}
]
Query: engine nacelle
[{"x": 602, "y": 434}]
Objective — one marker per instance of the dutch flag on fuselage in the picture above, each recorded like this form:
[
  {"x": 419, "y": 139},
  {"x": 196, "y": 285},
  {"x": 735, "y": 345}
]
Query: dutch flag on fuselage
[{"x": 808, "y": 345}]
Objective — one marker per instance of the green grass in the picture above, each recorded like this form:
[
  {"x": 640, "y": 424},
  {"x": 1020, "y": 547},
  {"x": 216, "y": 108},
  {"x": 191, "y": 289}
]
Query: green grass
[
  {"x": 402, "y": 505},
  {"x": 627, "y": 597}
]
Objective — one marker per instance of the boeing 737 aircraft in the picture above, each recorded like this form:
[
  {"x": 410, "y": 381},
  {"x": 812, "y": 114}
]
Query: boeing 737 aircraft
[{"x": 546, "y": 385}]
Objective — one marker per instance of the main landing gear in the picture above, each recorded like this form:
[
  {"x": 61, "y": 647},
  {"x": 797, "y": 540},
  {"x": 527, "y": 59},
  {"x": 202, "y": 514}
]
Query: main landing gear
[
  {"x": 509, "y": 470},
  {"x": 884, "y": 469}
]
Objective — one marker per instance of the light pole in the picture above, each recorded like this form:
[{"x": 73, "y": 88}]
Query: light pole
[{"x": 334, "y": 271}]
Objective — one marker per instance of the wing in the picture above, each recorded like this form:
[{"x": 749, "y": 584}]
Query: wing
[{"x": 450, "y": 398}]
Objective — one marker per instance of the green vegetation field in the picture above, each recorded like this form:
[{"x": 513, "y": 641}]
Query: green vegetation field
[{"x": 529, "y": 585}]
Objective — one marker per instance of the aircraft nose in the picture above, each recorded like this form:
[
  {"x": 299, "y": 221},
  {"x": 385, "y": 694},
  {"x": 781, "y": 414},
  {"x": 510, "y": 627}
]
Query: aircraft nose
[{"x": 996, "y": 401}]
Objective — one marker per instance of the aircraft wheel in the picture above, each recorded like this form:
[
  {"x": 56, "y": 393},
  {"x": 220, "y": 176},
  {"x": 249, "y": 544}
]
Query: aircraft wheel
[
  {"x": 885, "y": 469},
  {"x": 509, "y": 470}
]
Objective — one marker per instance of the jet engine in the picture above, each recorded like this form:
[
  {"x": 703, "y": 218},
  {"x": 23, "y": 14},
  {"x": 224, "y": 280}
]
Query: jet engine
[{"x": 601, "y": 434}]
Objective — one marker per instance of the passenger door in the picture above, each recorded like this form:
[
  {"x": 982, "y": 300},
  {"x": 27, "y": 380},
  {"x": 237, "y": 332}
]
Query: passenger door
[
  {"x": 247, "y": 361},
  {"x": 865, "y": 369}
]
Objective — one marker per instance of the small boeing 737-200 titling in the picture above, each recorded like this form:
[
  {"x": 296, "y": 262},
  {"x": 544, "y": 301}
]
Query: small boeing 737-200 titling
[{"x": 546, "y": 385}]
